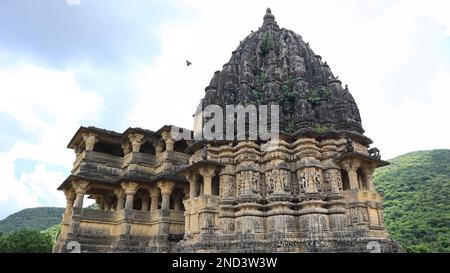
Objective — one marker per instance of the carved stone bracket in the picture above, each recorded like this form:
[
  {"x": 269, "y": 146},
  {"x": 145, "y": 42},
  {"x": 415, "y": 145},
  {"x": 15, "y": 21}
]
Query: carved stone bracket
[
  {"x": 136, "y": 141},
  {"x": 89, "y": 140}
]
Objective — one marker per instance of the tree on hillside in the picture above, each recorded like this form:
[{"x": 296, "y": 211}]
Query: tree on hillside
[{"x": 26, "y": 241}]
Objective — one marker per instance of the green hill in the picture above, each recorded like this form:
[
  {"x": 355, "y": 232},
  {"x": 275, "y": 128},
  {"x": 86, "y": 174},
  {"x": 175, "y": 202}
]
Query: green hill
[
  {"x": 33, "y": 218},
  {"x": 416, "y": 188}
]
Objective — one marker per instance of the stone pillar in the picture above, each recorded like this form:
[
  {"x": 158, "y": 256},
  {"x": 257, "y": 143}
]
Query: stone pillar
[
  {"x": 154, "y": 197},
  {"x": 192, "y": 178},
  {"x": 100, "y": 202},
  {"x": 126, "y": 148},
  {"x": 170, "y": 142},
  {"x": 80, "y": 190},
  {"x": 166, "y": 188},
  {"x": 120, "y": 193},
  {"x": 145, "y": 202},
  {"x": 136, "y": 141},
  {"x": 351, "y": 167},
  {"x": 130, "y": 189},
  {"x": 107, "y": 201},
  {"x": 368, "y": 178},
  {"x": 70, "y": 198},
  {"x": 177, "y": 201},
  {"x": 207, "y": 173},
  {"x": 89, "y": 140},
  {"x": 158, "y": 149}
]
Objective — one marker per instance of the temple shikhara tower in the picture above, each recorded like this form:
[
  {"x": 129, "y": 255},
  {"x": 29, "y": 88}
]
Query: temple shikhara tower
[{"x": 311, "y": 190}]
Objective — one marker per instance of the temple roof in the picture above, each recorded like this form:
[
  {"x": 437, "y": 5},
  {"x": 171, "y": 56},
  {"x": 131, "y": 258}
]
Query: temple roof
[
  {"x": 116, "y": 137},
  {"x": 274, "y": 65}
]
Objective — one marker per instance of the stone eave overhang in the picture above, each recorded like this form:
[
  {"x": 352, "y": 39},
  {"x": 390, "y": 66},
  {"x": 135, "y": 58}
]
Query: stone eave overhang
[
  {"x": 73, "y": 177},
  {"x": 197, "y": 165},
  {"x": 148, "y": 134},
  {"x": 374, "y": 161},
  {"x": 200, "y": 143},
  {"x": 171, "y": 176},
  {"x": 332, "y": 134},
  {"x": 168, "y": 128},
  {"x": 78, "y": 136},
  {"x": 111, "y": 136},
  {"x": 335, "y": 134}
]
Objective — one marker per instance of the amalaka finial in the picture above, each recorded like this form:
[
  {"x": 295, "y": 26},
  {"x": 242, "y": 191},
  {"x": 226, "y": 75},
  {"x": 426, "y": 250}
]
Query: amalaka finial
[
  {"x": 269, "y": 15},
  {"x": 269, "y": 18}
]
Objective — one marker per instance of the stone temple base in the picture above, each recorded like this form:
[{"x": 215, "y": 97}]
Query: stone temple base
[
  {"x": 287, "y": 243},
  {"x": 239, "y": 243}
]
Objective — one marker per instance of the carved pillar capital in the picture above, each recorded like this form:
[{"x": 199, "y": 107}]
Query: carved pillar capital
[
  {"x": 350, "y": 165},
  {"x": 70, "y": 194},
  {"x": 207, "y": 171},
  {"x": 168, "y": 138},
  {"x": 191, "y": 177},
  {"x": 166, "y": 187},
  {"x": 120, "y": 193},
  {"x": 130, "y": 188},
  {"x": 154, "y": 191},
  {"x": 80, "y": 186},
  {"x": 89, "y": 140},
  {"x": 166, "y": 135},
  {"x": 136, "y": 141}
]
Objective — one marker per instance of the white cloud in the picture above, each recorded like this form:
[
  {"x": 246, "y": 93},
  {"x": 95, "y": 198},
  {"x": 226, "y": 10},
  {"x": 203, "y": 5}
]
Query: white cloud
[
  {"x": 14, "y": 195},
  {"x": 49, "y": 106},
  {"x": 416, "y": 125}
]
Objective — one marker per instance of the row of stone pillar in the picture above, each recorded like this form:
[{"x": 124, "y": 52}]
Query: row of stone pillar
[
  {"x": 133, "y": 145},
  {"x": 207, "y": 174},
  {"x": 125, "y": 196},
  {"x": 352, "y": 167}
]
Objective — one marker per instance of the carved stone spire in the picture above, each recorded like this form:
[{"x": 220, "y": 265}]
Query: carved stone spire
[{"x": 275, "y": 66}]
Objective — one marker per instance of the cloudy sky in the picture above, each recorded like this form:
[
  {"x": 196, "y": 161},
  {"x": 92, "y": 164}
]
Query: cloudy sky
[{"x": 115, "y": 64}]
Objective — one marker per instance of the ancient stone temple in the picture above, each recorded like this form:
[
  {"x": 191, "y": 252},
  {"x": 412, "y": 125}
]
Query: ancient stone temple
[{"x": 311, "y": 190}]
